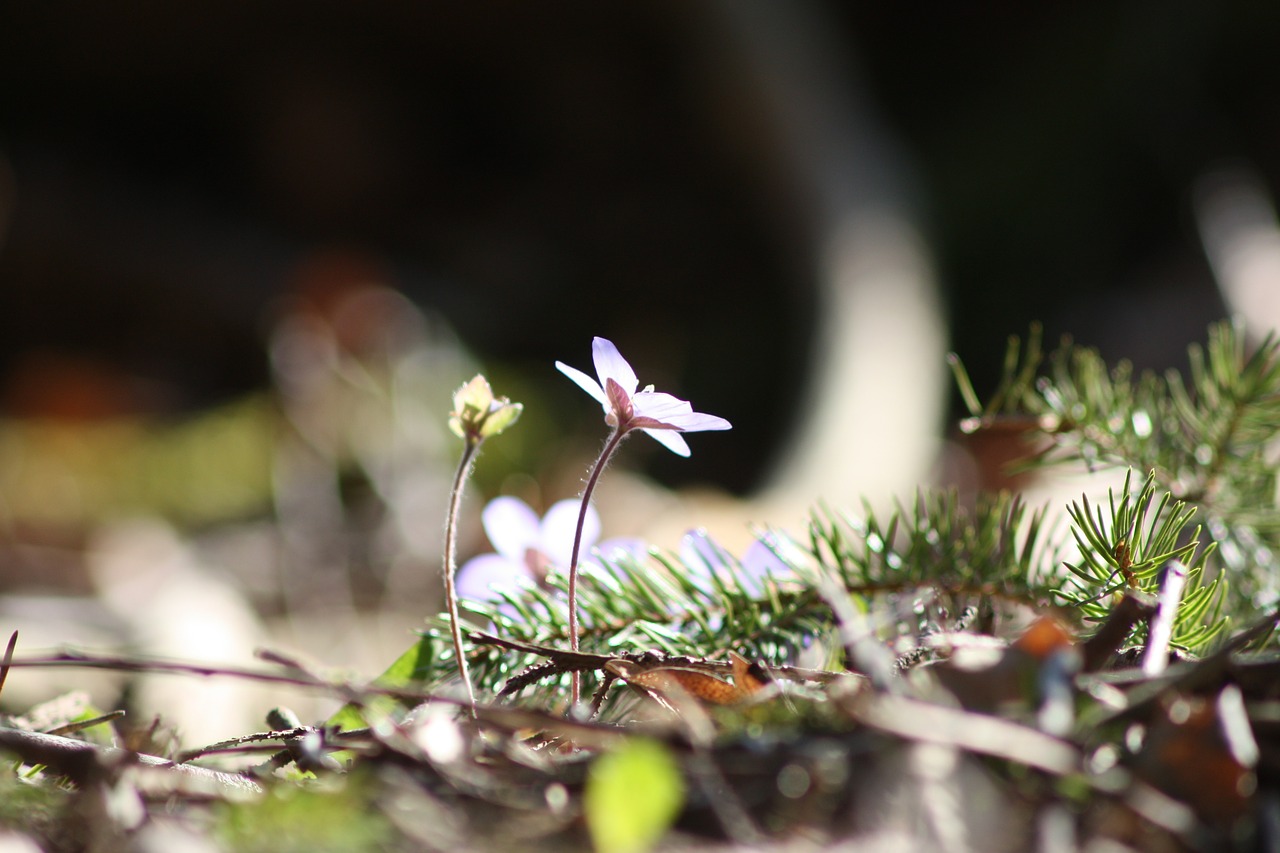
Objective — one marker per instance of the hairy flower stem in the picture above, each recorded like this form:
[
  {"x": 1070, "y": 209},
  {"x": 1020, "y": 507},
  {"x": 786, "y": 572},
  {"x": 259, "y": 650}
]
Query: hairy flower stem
[
  {"x": 450, "y": 561},
  {"x": 610, "y": 445}
]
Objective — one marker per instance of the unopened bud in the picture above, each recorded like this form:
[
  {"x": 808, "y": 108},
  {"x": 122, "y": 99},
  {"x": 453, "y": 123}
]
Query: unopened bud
[{"x": 477, "y": 414}]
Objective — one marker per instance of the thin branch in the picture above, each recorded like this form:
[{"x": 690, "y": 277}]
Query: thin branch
[
  {"x": 1098, "y": 649},
  {"x": 567, "y": 661},
  {"x": 82, "y": 762},
  {"x": 256, "y": 740},
  {"x": 300, "y": 678}
]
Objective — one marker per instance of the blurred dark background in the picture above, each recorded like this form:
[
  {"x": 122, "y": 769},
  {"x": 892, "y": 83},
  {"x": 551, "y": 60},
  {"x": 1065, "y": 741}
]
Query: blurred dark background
[
  {"x": 784, "y": 211},
  {"x": 173, "y": 173}
]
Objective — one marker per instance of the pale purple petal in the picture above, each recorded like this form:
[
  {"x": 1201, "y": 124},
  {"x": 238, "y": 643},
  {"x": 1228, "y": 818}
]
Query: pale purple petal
[
  {"x": 610, "y": 552},
  {"x": 623, "y": 547},
  {"x": 585, "y": 382},
  {"x": 761, "y": 558},
  {"x": 558, "y": 527},
  {"x": 671, "y": 440},
  {"x": 760, "y": 562},
  {"x": 697, "y": 548},
  {"x": 479, "y": 576},
  {"x": 512, "y": 527},
  {"x": 611, "y": 365},
  {"x": 607, "y": 555},
  {"x": 701, "y": 556}
]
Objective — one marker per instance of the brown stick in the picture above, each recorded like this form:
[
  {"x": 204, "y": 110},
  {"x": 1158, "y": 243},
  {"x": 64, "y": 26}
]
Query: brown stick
[
  {"x": 1098, "y": 649},
  {"x": 568, "y": 661},
  {"x": 82, "y": 762}
]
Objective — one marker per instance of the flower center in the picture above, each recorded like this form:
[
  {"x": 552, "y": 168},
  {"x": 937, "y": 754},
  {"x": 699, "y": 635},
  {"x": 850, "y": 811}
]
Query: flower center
[{"x": 538, "y": 564}]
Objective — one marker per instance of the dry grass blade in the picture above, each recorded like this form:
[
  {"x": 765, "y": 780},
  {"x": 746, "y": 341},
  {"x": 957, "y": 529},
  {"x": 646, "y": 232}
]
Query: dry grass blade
[
  {"x": 80, "y": 725},
  {"x": 1156, "y": 657},
  {"x": 980, "y": 733},
  {"x": 8, "y": 658}
]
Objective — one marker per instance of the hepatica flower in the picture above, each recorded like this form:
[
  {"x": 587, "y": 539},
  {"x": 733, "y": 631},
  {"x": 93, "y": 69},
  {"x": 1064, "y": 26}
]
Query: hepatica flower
[
  {"x": 528, "y": 549},
  {"x": 662, "y": 416}
]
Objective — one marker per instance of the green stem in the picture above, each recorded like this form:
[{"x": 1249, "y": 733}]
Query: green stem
[
  {"x": 450, "y": 561},
  {"x": 610, "y": 445}
]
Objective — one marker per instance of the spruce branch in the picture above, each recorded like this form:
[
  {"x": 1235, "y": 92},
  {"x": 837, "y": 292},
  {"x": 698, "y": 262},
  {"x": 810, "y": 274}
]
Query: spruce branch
[
  {"x": 1129, "y": 544},
  {"x": 1208, "y": 437},
  {"x": 1198, "y": 434},
  {"x": 994, "y": 548}
]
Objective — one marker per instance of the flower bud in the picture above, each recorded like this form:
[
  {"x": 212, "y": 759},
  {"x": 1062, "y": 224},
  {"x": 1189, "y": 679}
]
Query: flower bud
[{"x": 477, "y": 414}]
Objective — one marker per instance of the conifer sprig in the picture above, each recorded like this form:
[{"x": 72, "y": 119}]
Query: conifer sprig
[
  {"x": 1202, "y": 435},
  {"x": 1208, "y": 438},
  {"x": 1130, "y": 543},
  {"x": 994, "y": 548}
]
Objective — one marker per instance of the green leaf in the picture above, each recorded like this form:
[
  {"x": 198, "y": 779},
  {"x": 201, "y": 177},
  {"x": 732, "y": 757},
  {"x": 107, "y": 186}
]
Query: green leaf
[
  {"x": 633, "y": 794},
  {"x": 411, "y": 669}
]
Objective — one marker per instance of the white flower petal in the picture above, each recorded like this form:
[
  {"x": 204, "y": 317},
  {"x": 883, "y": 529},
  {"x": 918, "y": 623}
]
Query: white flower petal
[
  {"x": 512, "y": 527},
  {"x": 674, "y": 412},
  {"x": 671, "y": 440},
  {"x": 585, "y": 382},
  {"x": 660, "y": 406},
  {"x": 696, "y": 422},
  {"x": 558, "y": 527},
  {"x": 611, "y": 365}
]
